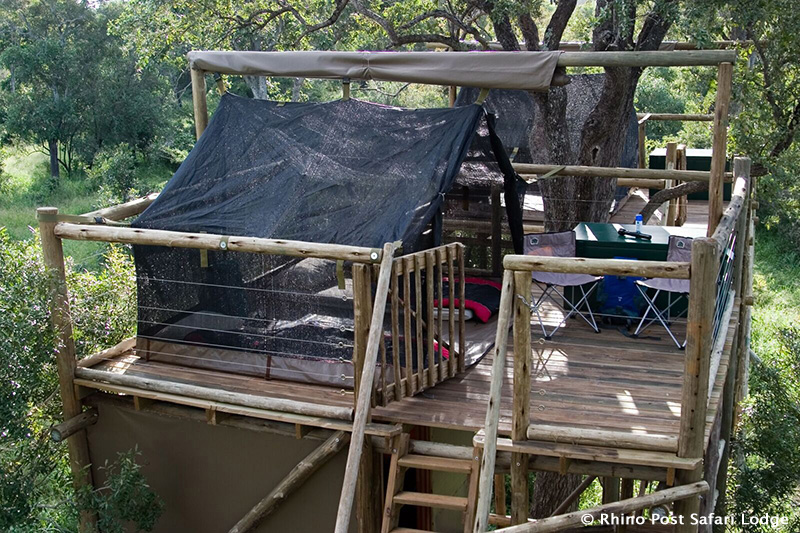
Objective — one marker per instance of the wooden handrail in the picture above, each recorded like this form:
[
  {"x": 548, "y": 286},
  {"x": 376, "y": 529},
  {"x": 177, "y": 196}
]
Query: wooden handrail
[
  {"x": 210, "y": 241},
  {"x": 615, "y": 172},
  {"x": 620, "y": 508},
  {"x": 598, "y": 267},
  {"x": 690, "y": 117},
  {"x": 730, "y": 216},
  {"x": 363, "y": 401},
  {"x": 493, "y": 409},
  {"x": 125, "y": 210}
]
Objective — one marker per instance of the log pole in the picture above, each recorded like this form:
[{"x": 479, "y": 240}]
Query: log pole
[
  {"x": 294, "y": 479},
  {"x": 66, "y": 362},
  {"x": 363, "y": 401},
  {"x": 520, "y": 416},
  {"x": 719, "y": 145},
  {"x": 199, "y": 101},
  {"x": 694, "y": 398},
  {"x": 493, "y": 409}
]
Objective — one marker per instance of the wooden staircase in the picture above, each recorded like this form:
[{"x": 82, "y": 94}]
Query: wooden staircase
[{"x": 396, "y": 497}]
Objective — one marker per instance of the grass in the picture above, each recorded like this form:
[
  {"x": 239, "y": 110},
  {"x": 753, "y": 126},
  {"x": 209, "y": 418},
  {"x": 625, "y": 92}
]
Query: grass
[
  {"x": 776, "y": 288},
  {"x": 26, "y": 185}
]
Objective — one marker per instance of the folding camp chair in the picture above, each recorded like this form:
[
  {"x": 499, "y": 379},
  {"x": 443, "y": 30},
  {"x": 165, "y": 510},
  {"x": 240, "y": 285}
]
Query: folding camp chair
[
  {"x": 678, "y": 249},
  {"x": 560, "y": 244}
]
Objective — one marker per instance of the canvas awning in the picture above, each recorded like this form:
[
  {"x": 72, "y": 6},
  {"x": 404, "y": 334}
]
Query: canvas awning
[{"x": 531, "y": 71}]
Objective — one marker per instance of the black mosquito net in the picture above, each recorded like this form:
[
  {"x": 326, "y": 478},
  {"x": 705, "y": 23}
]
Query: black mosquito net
[{"x": 346, "y": 172}]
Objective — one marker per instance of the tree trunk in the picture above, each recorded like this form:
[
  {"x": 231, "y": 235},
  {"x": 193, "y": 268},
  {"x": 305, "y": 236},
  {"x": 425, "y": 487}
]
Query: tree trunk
[
  {"x": 550, "y": 489},
  {"x": 52, "y": 148},
  {"x": 258, "y": 86},
  {"x": 569, "y": 200}
]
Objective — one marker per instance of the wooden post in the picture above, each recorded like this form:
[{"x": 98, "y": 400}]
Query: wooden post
[
  {"x": 362, "y": 311},
  {"x": 575, "y": 494},
  {"x": 363, "y": 406},
  {"x": 671, "y": 164},
  {"x": 497, "y": 232},
  {"x": 66, "y": 362},
  {"x": 65, "y": 429},
  {"x": 642, "y": 143},
  {"x": 294, "y": 479},
  {"x": 520, "y": 415},
  {"x": 719, "y": 146},
  {"x": 369, "y": 504},
  {"x": 493, "y": 409},
  {"x": 199, "y": 101},
  {"x": 694, "y": 398}
]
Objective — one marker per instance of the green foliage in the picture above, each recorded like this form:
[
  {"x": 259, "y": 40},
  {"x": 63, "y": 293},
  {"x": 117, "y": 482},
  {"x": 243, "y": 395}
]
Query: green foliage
[
  {"x": 766, "y": 480},
  {"x": 766, "y": 458},
  {"x": 115, "y": 170},
  {"x": 35, "y": 488},
  {"x": 125, "y": 498}
]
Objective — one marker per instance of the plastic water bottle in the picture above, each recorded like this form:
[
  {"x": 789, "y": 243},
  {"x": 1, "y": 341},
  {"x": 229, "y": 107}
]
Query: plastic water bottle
[{"x": 639, "y": 221}]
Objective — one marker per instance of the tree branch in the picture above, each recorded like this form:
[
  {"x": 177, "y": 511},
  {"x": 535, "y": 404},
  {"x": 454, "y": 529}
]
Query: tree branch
[
  {"x": 669, "y": 194},
  {"x": 558, "y": 23}
]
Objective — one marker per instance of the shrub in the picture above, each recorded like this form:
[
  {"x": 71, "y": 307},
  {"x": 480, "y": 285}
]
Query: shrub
[
  {"x": 115, "y": 171},
  {"x": 35, "y": 485}
]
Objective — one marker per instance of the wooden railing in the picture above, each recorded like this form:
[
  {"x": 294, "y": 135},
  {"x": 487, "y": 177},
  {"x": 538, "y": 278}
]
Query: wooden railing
[
  {"x": 425, "y": 348},
  {"x": 707, "y": 299}
]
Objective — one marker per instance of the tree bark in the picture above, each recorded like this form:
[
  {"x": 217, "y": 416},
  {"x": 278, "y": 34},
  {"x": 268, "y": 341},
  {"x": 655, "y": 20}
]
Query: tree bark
[
  {"x": 52, "y": 148},
  {"x": 550, "y": 489}
]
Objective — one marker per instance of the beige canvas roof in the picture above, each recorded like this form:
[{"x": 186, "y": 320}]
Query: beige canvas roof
[{"x": 496, "y": 70}]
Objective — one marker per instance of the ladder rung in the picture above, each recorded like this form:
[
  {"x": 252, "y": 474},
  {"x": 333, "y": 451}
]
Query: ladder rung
[
  {"x": 440, "y": 464},
  {"x": 436, "y": 501}
]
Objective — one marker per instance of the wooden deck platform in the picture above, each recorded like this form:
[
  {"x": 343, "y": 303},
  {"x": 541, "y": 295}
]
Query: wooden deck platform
[{"x": 582, "y": 379}]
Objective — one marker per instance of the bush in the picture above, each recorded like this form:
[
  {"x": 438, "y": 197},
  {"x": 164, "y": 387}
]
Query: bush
[
  {"x": 115, "y": 171},
  {"x": 35, "y": 486},
  {"x": 766, "y": 469}
]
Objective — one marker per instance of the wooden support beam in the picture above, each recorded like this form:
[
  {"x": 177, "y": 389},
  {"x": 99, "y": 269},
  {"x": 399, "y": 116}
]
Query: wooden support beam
[
  {"x": 610, "y": 489},
  {"x": 520, "y": 414},
  {"x": 642, "y": 143},
  {"x": 571, "y": 520},
  {"x": 109, "y": 353},
  {"x": 199, "y": 101},
  {"x": 582, "y": 265},
  {"x": 126, "y": 210},
  {"x": 613, "y": 172},
  {"x": 210, "y": 241},
  {"x": 363, "y": 401},
  {"x": 602, "y": 437},
  {"x": 294, "y": 479},
  {"x": 684, "y": 117},
  {"x": 690, "y": 58},
  {"x": 64, "y": 430},
  {"x": 719, "y": 154},
  {"x": 216, "y": 395},
  {"x": 66, "y": 362},
  {"x": 694, "y": 398},
  {"x": 727, "y": 221},
  {"x": 493, "y": 409}
]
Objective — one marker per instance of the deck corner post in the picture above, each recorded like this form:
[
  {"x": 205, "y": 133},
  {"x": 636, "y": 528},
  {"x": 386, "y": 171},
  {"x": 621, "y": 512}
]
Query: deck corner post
[
  {"x": 66, "y": 360},
  {"x": 199, "y": 100},
  {"x": 522, "y": 392},
  {"x": 694, "y": 398},
  {"x": 493, "y": 408},
  {"x": 719, "y": 145}
]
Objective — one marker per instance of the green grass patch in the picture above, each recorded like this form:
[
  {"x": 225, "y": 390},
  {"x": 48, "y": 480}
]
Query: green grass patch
[
  {"x": 27, "y": 185},
  {"x": 776, "y": 287}
]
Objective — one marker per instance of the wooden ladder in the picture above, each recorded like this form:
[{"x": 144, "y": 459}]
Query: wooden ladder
[{"x": 396, "y": 497}]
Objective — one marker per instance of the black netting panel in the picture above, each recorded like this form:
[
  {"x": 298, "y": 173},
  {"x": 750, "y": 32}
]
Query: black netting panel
[{"x": 346, "y": 172}]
